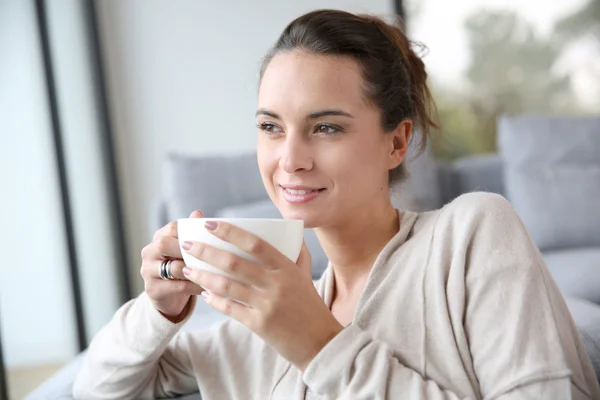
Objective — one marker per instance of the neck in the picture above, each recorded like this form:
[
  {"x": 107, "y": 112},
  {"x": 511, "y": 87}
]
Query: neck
[{"x": 353, "y": 246}]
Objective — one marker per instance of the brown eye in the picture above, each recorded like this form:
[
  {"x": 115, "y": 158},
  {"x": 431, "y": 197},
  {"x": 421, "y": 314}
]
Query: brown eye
[
  {"x": 268, "y": 128},
  {"x": 327, "y": 129}
]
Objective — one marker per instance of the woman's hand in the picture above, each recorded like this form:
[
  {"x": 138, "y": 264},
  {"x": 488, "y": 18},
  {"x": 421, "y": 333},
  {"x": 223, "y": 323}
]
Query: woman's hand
[
  {"x": 170, "y": 297},
  {"x": 282, "y": 305}
]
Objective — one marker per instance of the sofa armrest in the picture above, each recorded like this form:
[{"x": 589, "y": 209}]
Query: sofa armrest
[{"x": 60, "y": 385}]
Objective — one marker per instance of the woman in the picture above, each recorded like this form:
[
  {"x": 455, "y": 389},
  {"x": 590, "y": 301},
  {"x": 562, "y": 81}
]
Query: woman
[{"x": 449, "y": 304}]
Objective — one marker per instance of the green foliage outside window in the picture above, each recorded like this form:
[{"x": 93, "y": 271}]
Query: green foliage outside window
[{"x": 513, "y": 70}]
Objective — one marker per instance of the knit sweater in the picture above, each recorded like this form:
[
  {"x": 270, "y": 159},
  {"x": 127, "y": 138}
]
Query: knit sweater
[{"x": 458, "y": 305}]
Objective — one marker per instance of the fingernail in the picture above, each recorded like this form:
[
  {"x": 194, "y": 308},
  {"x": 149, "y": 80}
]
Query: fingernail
[
  {"x": 204, "y": 294},
  {"x": 196, "y": 211},
  {"x": 211, "y": 225},
  {"x": 187, "y": 271},
  {"x": 187, "y": 245}
]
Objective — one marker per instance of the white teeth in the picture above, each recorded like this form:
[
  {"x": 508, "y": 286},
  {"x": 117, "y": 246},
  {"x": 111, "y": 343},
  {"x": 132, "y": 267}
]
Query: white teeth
[{"x": 299, "y": 191}]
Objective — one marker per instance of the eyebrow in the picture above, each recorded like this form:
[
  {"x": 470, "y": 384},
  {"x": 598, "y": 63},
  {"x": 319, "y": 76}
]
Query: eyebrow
[{"x": 315, "y": 115}]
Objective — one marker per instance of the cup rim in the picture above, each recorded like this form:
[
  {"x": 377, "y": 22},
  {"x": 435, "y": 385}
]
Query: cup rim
[{"x": 226, "y": 219}]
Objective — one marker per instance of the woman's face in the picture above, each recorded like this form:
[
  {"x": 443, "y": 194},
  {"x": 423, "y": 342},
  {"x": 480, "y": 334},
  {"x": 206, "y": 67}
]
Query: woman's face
[{"x": 322, "y": 152}]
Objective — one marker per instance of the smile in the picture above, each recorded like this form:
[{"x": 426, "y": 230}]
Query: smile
[{"x": 300, "y": 196}]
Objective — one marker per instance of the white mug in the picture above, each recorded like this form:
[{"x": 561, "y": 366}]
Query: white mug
[{"x": 286, "y": 235}]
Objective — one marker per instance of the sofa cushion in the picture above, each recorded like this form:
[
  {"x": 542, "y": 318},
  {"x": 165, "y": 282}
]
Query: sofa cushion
[
  {"x": 266, "y": 209},
  {"x": 421, "y": 191},
  {"x": 210, "y": 183},
  {"x": 477, "y": 173},
  {"x": 552, "y": 177},
  {"x": 576, "y": 272},
  {"x": 586, "y": 316}
]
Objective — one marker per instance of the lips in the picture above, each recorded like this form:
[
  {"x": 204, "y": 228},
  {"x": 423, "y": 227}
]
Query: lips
[
  {"x": 300, "y": 194},
  {"x": 292, "y": 191},
  {"x": 299, "y": 187}
]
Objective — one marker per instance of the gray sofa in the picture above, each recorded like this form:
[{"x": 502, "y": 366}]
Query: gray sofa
[{"x": 190, "y": 183}]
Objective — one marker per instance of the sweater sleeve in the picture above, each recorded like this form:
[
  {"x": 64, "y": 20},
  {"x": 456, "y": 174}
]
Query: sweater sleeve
[
  {"x": 356, "y": 366},
  {"x": 138, "y": 355},
  {"x": 520, "y": 332},
  {"x": 522, "y": 341}
]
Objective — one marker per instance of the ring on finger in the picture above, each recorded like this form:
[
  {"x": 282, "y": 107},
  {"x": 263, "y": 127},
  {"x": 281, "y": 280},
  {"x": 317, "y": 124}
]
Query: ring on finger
[
  {"x": 164, "y": 270},
  {"x": 169, "y": 270}
]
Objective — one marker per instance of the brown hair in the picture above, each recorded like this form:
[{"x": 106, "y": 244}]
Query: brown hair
[{"x": 395, "y": 77}]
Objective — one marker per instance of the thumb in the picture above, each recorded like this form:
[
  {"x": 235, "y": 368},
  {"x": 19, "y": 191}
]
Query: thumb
[
  {"x": 305, "y": 260},
  {"x": 197, "y": 214}
]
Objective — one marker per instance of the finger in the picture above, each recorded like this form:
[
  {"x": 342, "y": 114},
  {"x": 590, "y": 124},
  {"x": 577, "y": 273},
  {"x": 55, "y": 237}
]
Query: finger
[
  {"x": 228, "y": 307},
  {"x": 168, "y": 288},
  {"x": 238, "y": 267},
  {"x": 169, "y": 229},
  {"x": 162, "y": 248},
  {"x": 220, "y": 285},
  {"x": 197, "y": 214},
  {"x": 249, "y": 243},
  {"x": 305, "y": 260}
]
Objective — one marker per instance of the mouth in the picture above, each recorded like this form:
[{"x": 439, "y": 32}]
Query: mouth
[{"x": 300, "y": 195}]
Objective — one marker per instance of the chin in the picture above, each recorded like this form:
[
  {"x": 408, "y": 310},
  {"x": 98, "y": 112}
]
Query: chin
[{"x": 312, "y": 218}]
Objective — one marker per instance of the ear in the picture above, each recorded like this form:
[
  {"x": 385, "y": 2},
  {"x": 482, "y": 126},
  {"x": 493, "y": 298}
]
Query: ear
[{"x": 398, "y": 142}]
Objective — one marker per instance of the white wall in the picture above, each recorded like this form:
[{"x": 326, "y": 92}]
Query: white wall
[
  {"x": 36, "y": 312},
  {"x": 183, "y": 78}
]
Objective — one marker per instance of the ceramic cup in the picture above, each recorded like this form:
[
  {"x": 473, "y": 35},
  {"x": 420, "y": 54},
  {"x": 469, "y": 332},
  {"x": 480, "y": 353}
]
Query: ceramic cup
[{"x": 284, "y": 234}]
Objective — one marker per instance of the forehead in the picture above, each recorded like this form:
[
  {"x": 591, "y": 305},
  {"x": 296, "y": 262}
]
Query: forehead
[{"x": 299, "y": 81}]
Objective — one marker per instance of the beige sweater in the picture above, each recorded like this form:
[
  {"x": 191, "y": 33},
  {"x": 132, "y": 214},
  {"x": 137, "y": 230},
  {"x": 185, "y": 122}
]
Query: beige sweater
[{"x": 458, "y": 305}]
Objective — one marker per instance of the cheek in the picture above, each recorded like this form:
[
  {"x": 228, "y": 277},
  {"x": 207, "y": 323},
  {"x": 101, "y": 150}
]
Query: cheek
[
  {"x": 362, "y": 174},
  {"x": 361, "y": 160}
]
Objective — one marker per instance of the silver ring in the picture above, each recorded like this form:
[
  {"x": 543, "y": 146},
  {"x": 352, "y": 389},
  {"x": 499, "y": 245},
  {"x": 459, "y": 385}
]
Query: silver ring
[
  {"x": 168, "y": 270},
  {"x": 164, "y": 269}
]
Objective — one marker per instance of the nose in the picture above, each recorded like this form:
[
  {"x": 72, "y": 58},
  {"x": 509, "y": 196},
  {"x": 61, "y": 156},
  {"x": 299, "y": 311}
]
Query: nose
[{"x": 296, "y": 155}]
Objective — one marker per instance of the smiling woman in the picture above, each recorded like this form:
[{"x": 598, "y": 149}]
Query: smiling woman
[{"x": 453, "y": 303}]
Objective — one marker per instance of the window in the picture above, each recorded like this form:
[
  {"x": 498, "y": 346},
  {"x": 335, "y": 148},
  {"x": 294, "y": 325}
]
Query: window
[{"x": 495, "y": 57}]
